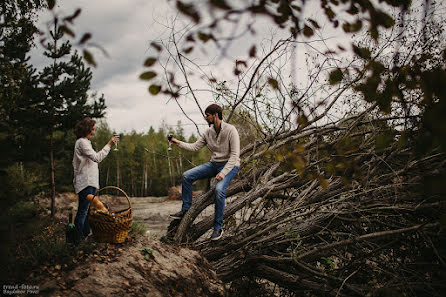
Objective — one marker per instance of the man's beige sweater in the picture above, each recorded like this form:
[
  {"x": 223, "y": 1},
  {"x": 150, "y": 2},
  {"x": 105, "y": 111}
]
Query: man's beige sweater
[{"x": 225, "y": 146}]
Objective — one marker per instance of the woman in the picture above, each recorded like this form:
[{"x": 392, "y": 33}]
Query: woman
[{"x": 86, "y": 171}]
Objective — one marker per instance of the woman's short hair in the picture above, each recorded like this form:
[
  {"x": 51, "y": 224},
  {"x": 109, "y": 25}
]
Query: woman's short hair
[
  {"x": 84, "y": 127},
  {"x": 213, "y": 109}
]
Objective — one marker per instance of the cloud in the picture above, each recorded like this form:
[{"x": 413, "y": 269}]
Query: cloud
[{"x": 124, "y": 29}]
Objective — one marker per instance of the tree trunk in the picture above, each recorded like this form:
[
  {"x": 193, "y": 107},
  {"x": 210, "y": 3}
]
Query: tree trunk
[
  {"x": 52, "y": 169},
  {"x": 170, "y": 170},
  {"x": 117, "y": 175}
]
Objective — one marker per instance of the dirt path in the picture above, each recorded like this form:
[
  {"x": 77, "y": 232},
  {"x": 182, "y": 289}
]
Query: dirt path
[{"x": 153, "y": 212}]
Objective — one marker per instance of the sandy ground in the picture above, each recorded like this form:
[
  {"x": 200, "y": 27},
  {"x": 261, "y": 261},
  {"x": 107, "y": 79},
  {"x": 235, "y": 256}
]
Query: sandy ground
[{"x": 153, "y": 212}]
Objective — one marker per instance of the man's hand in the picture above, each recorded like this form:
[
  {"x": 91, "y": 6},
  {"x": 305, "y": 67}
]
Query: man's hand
[
  {"x": 174, "y": 141},
  {"x": 220, "y": 176}
]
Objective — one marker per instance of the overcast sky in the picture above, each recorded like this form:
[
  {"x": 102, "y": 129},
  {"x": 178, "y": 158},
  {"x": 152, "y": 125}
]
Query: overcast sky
[{"x": 125, "y": 29}]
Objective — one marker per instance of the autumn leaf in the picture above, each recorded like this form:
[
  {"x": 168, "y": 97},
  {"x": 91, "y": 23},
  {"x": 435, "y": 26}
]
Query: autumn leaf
[
  {"x": 73, "y": 16},
  {"x": 156, "y": 46},
  {"x": 89, "y": 58},
  {"x": 85, "y": 38},
  {"x": 188, "y": 50},
  {"x": 308, "y": 32},
  {"x": 64, "y": 29},
  {"x": 220, "y": 4},
  {"x": 188, "y": 10},
  {"x": 252, "y": 51}
]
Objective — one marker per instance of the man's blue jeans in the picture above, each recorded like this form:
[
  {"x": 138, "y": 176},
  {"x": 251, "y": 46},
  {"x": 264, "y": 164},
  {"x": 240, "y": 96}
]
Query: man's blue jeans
[
  {"x": 208, "y": 170},
  {"x": 81, "y": 221}
]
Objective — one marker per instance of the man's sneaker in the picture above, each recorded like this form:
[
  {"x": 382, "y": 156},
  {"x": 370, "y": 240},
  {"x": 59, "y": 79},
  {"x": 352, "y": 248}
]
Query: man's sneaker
[
  {"x": 179, "y": 215},
  {"x": 217, "y": 234}
]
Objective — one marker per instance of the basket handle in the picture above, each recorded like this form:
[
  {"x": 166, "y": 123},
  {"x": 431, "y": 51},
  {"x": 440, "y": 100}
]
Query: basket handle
[{"x": 112, "y": 187}]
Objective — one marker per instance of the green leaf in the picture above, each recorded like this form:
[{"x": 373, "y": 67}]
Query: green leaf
[
  {"x": 362, "y": 52},
  {"x": 149, "y": 62},
  {"x": 374, "y": 33},
  {"x": 383, "y": 140},
  {"x": 154, "y": 89},
  {"x": 383, "y": 19},
  {"x": 89, "y": 58},
  {"x": 335, "y": 76},
  {"x": 273, "y": 83},
  {"x": 204, "y": 37},
  {"x": 356, "y": 26},
  {"x": 302, "y": 120},
  {"x": 147, "y": 75}
]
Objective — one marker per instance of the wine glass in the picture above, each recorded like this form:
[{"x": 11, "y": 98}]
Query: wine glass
[
  {"x": 116, "y": 144},
  {"x": 169, "y": 137}
]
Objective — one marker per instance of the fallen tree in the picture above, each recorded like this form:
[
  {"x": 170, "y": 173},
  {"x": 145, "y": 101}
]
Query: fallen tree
[{"x": 371, "y": 225}]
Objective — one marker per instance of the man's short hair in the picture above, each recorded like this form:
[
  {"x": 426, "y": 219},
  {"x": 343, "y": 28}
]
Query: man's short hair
[{"x": 213, "y": 109}]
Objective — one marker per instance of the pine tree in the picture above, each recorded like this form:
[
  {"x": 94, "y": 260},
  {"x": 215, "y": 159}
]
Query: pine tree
[
  {"x": 64, "y": 88},
  {"x": 17, "y": 84}
]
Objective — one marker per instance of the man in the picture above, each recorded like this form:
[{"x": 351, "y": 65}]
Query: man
[{"x": 224, "y": 142}]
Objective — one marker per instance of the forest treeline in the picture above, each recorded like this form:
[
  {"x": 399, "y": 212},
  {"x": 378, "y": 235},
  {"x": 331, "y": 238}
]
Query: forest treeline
[{"x": 142, "y": 165}]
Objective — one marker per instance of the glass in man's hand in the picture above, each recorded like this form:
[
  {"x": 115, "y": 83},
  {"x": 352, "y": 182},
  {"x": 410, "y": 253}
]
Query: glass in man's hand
[{"x": 169, "y": 138}]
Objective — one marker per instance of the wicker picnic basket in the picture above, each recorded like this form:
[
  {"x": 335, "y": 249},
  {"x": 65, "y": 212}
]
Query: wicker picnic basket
[{"x": 110, "y": 227}]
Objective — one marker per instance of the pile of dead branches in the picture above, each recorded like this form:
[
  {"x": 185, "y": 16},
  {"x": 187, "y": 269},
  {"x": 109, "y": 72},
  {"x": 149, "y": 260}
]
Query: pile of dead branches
[{"x": 330, "y": 210}]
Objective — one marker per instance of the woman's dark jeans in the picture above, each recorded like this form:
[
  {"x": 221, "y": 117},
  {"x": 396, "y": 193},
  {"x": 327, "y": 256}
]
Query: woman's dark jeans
[{"x": 81, "y": 220}]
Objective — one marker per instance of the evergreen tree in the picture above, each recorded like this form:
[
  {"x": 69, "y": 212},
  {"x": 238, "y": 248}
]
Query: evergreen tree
[
  {"x": 17, "y": 85},
  {"x": 64, "y": 86}
]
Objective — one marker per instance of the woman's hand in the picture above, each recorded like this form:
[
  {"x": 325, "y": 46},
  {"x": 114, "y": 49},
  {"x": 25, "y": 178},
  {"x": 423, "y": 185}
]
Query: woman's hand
[{"x": 113, "y": 140}]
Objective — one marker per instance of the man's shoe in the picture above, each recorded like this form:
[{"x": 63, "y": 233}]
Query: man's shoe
[
  {"x": 179, "y": 215},
  {"x": 217, "y": 234}
]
